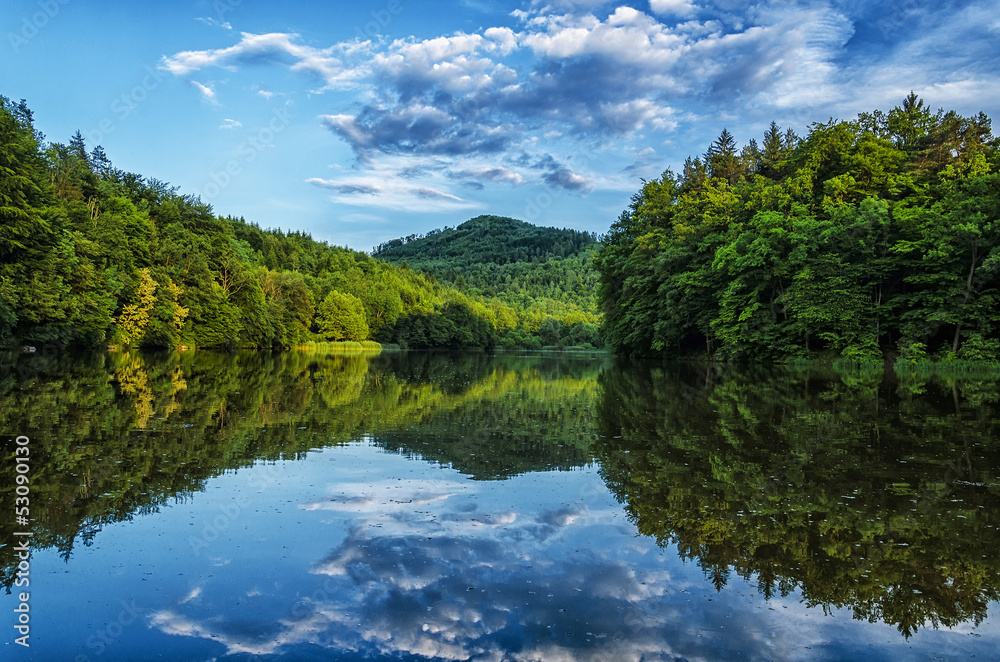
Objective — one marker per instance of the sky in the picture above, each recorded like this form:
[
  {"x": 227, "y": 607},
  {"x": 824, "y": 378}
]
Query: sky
[{"x": 360, "y": 122}]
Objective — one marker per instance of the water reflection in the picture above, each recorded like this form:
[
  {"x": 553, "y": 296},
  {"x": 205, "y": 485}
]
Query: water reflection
[
  {"x": 864, "y": 496},
  {"x": 452, "y": 569},
  {"x": 116, "y": 435},
  {"x": 474, "y": 518}
]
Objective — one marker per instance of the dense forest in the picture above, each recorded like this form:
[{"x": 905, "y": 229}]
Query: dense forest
[
  {"x": 872, "y": 238},
  {"x": 546, "y": 272},
  {"x": 93, "y": 255}
]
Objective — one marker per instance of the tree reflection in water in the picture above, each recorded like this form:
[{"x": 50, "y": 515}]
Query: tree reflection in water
[{"x": 873, "y": 494}]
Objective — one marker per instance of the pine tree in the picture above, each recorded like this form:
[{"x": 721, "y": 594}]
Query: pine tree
[
  {"x": 78, "y": 148},
  {"x": 24, "y": 190},
  {"x": 751, "y": 157},
  {"x": 100, "y": 162},
  {"x": 722, "y": 160},
  {"x": 773, "y": 151},
  {"x": 693, "y": 175}
]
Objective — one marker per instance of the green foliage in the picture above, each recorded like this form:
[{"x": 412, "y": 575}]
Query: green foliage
[
  {"x": 980, "y": 350},
  {"x": 342, "y": 317},
  {"x": 24, "y": 195},
  {"x": 90, "y": 254},
  {"x": 486, "y": 240},
  {"x": 860, "y": 238},
  {"x": 455, "y": 325},
  {"x": 134, "y": 319},
  {"x": 527, "y": 274}
]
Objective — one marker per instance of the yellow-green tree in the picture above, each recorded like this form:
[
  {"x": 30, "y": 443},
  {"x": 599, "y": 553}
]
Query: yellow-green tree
[{"x": 134, "y": 319}]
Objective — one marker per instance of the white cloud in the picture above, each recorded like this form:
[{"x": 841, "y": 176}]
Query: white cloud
[
  {"x": 347, "y": 125},
  {"x": 504, "y": 38},
  {"x": 230, "y": 124},
  {"x": 275, "y": 47},
  {"x": 489, "y": 173},
  {"x": 474, "y": 577},
  {"x": 390, "y": 192},
  {"x": 207, "y": 91},
  {"x": 574, "y": 6},
  {"x": 192, "y": 595},
  {"x": 458, "y": 64},
  {"x": 225, "y": 25},
  {"x": 672, "y": 7},
  {"x": 573, "y": 76},
  {"x": 628, "y": 116}
]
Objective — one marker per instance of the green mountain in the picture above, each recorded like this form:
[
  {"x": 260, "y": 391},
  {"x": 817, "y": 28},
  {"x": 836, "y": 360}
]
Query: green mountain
[
  {"x": 487, "y": 239},
  {"x": 546, "y": 274}
]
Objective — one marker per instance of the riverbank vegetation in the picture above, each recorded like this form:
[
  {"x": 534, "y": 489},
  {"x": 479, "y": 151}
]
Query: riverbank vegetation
[{"x": 866, "y": 239}]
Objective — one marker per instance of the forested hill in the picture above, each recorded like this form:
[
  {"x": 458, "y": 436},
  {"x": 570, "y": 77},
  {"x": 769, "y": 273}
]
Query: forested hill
[
  {"x": 486, "y": 239},
  {"x": 93, "y": 255},
  {"x": 865, "y": 239},
  {"x": 547, "y": 272}
]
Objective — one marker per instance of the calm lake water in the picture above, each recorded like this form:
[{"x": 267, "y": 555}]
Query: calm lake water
[{"x": 416, "y": 506}]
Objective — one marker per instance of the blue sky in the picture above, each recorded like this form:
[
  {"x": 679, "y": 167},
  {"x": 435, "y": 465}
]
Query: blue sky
[{"x": 363, "y": 121}]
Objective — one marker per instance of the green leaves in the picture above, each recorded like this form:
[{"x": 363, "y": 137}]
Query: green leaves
[
  {"x": 341, "y": 317},
  {"x": 24, "y": 191},
  {"x": 90, "y": 254},
  {"x": 851, "y": 241}
]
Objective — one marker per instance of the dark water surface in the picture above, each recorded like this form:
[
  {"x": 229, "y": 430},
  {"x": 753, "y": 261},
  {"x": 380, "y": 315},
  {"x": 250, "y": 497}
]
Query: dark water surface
[{"x": 306, "y": 506}]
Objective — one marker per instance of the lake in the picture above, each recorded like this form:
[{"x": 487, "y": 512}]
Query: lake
[{"x": 419, "y": 506}]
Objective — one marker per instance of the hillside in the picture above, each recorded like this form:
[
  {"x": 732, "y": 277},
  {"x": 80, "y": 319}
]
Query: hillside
[
  {"x": 545, "y": 272},
  {"x": 93, "y": 255}
]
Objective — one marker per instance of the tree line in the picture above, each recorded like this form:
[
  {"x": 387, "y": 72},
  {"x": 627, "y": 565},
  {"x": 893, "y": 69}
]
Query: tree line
[
  {"x": 872, "y": 238},
  {"x": 94, "y": 255}
]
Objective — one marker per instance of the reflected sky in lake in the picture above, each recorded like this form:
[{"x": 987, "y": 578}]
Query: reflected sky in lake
[
  {"x": 365, "y": 549},
  {"x": 356, "y": 552}
]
